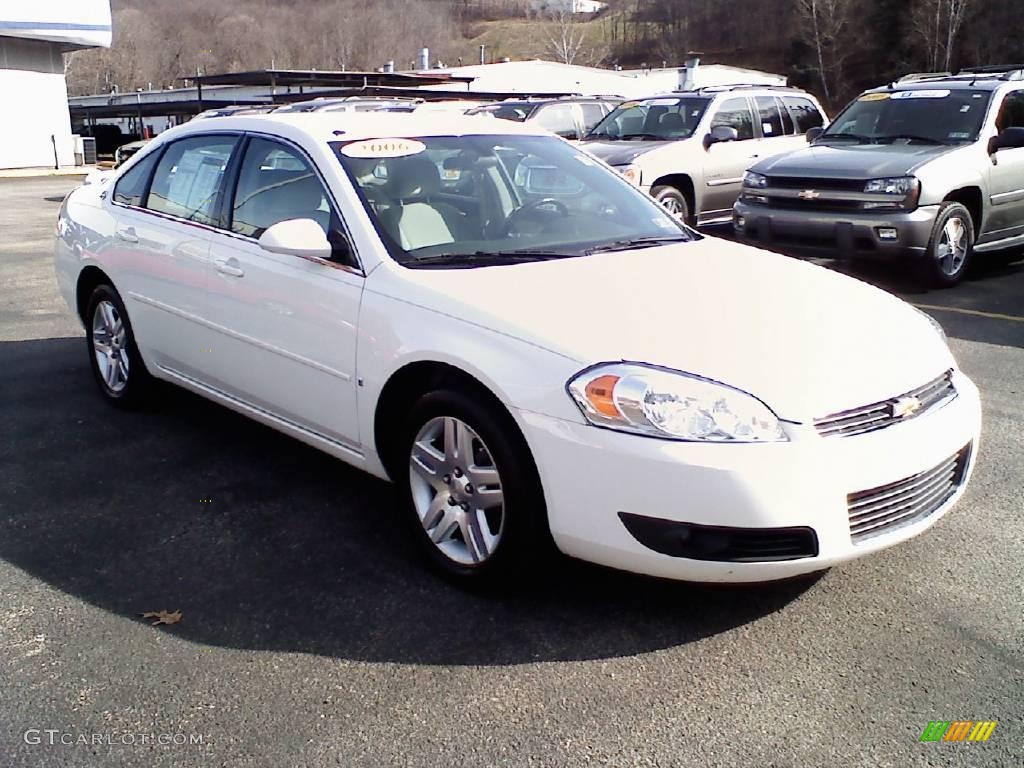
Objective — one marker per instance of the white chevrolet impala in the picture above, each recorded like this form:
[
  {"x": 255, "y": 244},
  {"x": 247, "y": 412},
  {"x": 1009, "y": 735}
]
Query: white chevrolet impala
[{"x": 534, "y": 351}]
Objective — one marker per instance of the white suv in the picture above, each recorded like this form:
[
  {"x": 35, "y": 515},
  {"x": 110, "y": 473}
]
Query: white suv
[{"x": 689, "y": 150}]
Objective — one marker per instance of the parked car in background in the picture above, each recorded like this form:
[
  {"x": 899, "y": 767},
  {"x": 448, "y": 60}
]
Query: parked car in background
[
  {"x": 237, "y": 109},
  {"x": 126, "y": 151},
  {"x": 533, "y": 350},
  {"x": 569, "y": 117},
  {"x": 324, "y": 104},
  {"x": 689, "y": 149},
  {"x": 929, "y": 168}
]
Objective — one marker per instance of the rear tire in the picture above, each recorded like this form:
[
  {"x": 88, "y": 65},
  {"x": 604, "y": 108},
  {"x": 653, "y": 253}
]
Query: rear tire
[
  {"x": 950, "y": 247},
  {"x": 459, "y": 458},
  {"x": 114, "y": 357},
  {"x": 673, "y": 200}
]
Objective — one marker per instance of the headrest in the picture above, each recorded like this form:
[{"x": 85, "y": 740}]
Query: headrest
[
  {"x": 413, "y": 178},
  {"x": 672, "y": 121}
]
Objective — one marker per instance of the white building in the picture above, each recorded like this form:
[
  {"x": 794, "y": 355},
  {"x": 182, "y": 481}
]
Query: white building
[
  {"x": 36, "y": 129},
  {"x": 539, "y": 77},
  {"x": 568, "y": 6}
]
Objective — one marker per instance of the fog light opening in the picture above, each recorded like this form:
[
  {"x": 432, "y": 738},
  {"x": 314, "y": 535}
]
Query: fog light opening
[
  {"x": 888, "y": 234},
  {"x": 739, "y": 221}
]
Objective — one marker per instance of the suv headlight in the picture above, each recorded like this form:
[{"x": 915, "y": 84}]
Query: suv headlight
[
  {"x": 755, "y": 180},
  {"x": 901, "y": 185},
  {"x": 631, "y": 173},
  {"x": 679, "y": 406}
]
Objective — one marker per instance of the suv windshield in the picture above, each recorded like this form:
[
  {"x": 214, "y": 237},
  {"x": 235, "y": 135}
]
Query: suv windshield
[
  {"x": 517, "y": 112},
  {"x": 658, "y": 119},
  {"x": 479, "y": 200},
  {"x": 932, "y": 116}
]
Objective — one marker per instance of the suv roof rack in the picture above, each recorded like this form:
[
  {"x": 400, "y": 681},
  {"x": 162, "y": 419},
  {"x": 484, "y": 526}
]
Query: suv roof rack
[
  {"x": 741, "y": 86},
  {"x": 914, "y": 77},
  {"x": 997, "y": 72}
]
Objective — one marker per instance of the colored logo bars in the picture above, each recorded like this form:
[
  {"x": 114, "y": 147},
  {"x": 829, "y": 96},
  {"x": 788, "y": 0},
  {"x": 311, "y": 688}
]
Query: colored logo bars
[{"x": 958, "y": 730}]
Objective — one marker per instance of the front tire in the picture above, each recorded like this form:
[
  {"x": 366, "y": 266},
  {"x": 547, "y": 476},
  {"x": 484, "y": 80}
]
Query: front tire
[
  {"x": 673, "y": 201},
  {"x": 114, "y": 357},
  {"x": 950, "y": 247},
  {"x": 474, "y": 496}
]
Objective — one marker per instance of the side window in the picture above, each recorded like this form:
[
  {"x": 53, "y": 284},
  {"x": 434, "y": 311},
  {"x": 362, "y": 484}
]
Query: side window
[
  {"x": 560, "y": 119},
  {"x": 276, "y": 183},
  {"x": 788, "y": 126},
  {"x": 804, "y": 113},
  {"x": 770, "y": 118},
  {"x": 592, "y": 115},
  {"x": 736, "y": 113},
  {"x": 1011, "y": 114},
  {"x": 187, "y": 182},
  {"x": 131, "y": 187}
]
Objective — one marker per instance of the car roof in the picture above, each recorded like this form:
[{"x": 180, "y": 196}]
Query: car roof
[
  {"x": 974, "y": 82},
  {"x": 353, "y": 126}
]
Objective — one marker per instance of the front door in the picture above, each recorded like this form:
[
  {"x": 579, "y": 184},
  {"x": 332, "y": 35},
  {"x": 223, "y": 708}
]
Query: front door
[
  {"x": 727, "y": 161},
  {"x": 1006, "y": 182},
  {"x": 285, "y": 326}
]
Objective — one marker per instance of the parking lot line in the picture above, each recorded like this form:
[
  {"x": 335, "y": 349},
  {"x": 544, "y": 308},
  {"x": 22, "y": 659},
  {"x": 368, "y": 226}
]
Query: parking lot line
[{"x": 977, "y": 312}]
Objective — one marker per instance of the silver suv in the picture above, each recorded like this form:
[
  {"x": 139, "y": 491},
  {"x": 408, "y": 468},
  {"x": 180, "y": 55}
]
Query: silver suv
[
  {"x": 931, "y": 166},
  {"x": 689, "y": 149}
]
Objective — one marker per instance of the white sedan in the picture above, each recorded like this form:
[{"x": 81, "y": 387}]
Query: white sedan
[{"x": 533, "y": 350}]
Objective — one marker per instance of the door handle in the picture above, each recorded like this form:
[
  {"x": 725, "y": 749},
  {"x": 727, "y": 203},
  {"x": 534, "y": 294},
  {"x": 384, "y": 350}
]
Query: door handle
[
  {"x": 230, "y": 267},
  {"x": 127, "y": 234}
]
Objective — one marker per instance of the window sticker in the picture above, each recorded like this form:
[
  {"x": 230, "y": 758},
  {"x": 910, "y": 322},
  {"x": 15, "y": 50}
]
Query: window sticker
[
  {"x": 767, "y": 128},
  {"x": 629, "y": 104},
  {"x": 921, "y": 94},
  {"x": 874, "y": 97},
  {"x": 383, "y": 148},
  {"x": 965, "y": 108},
  {"x": 960, "y": 135},
  {"x": 662, "y": 102}
]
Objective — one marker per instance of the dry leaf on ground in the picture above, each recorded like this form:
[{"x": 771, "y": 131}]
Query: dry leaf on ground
[{"x": 163, "y": 617}]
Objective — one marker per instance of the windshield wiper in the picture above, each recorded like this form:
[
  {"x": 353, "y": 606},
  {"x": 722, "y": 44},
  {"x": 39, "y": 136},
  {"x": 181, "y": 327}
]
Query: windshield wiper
[
  {"x": 638, "y": 242},
  {"x": 642, "y": 137},
  {"x": 486, "y": 258},
  {"x": 908, "y": 137},
  {"x": 844, "y": 135}
]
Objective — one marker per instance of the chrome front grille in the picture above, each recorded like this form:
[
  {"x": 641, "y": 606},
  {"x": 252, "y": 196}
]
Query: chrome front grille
[
  {"x": 895, "y": 410},
  {"x": 884, "y": 509}
]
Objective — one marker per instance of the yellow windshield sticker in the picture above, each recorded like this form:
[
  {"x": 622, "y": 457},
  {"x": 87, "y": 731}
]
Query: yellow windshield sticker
[
  {"x": 382, "y": 148},
  {"x": 874, "y": 97}
]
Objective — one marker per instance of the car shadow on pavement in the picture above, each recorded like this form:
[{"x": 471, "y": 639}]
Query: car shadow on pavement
[{"x": 266, "y": 544}]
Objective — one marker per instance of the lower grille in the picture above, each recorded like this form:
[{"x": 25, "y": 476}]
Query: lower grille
[
  {"x": 879, "y": 415},
  {"x": 884, "y": 509}
]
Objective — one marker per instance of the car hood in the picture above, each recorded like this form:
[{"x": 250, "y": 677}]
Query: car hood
[
  {"x": 807, "y": 341},
  {"x": 852, "y": 161},
  {"x": 621, "y": 152}
]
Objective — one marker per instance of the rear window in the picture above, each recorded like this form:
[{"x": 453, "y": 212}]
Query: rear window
[
  {"x": 804, "y": 113},
  {"x": 515, "y": 112}
]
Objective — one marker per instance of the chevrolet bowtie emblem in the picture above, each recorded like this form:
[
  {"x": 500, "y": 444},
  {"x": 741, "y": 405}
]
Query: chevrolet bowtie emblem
[
  {"x": 904, "y": 407},
  {"x": 809, "y": 194}
]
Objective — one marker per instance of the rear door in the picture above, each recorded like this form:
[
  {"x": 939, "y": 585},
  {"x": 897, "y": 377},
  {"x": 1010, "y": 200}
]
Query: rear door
[
  {"x": 286, "y": 325},
  {"x": 726, "y": 162},
  {"x": 1006, "y": 181},
  {"x": 163, "y": 227},
  {"x": 778, "y": 129}
]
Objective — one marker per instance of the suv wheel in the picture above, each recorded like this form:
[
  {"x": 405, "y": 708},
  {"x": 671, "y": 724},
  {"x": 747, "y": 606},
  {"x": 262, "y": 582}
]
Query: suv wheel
[
  {"x": 950, "y": 247},
  {"x": 673, "y": 200}
]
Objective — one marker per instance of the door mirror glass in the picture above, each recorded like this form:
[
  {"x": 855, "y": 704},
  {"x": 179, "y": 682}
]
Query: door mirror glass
[
  {"x": 1008, "y": 138},
  {"x": 814, "y": 133},
  {"x": 721, "y": 133},
  {"x": 297, "y": 237}
]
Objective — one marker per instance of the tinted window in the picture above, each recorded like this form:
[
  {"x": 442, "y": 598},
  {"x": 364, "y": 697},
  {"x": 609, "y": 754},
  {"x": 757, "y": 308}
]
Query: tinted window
[
  {"x": 770, "y": 117},
  {"x": 515, "y": 112},
  {"x": 788, "y": 126},
  {"x": 1011, "y": 114},
  {"x": 560, "y": 119},
  {"x": 187, "y": 180},
  {"x": 276, "y": 183},
  {"x": 804, "y": 113},
  {"x": 131, "y": 187},
  {"x": 653, "y": 119},
  {"x": 592, "y": 115},
  {"x": 736, "y": 113}
]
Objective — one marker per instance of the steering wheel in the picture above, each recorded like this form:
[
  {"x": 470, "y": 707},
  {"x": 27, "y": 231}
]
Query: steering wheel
[{"x": 523, "y": 210}]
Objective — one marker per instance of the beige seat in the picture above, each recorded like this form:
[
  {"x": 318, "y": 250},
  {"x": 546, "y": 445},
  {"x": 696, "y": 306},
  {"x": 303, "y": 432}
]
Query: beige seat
[{"x": 417, "y": 220}]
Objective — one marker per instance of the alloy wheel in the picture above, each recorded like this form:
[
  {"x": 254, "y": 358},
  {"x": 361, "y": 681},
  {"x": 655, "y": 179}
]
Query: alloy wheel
[
  {"x": 110, "y": 346},
  {"x": 952, "y": 248},
  {"x": 456, "y": 490}
]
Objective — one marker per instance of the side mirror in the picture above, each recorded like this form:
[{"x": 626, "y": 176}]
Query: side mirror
[
  {"x": 720, "y": 133},
  {"x": 297, "y": 237},
  {"x": 1008, "y": 138},
  {"x": 813, "y": 134}
]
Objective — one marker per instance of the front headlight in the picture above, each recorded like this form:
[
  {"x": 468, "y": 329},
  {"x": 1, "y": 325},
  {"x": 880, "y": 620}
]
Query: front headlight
[
  {"x": 651, "y": 401},
  {"x": 901, "y": 185},
  {"x": 755, "y": 180},
  {"x": 631, "y": 173}
]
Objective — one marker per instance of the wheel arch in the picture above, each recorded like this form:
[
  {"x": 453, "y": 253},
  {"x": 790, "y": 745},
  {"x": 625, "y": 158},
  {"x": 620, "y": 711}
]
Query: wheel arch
[
  {"x": 684, "y": 183},
  {"x": 972, "y": 199},
  {"x": 88, "y": 279}
]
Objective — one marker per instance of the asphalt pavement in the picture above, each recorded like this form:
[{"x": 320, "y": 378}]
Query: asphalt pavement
[{"x": 312, "y": 636}]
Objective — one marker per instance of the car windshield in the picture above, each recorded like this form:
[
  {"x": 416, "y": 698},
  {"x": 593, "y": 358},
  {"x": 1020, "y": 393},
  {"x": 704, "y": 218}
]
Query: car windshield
[
  {"x": 490, "y": 199},
  {"x": 929, "y": 116},
  {"x": 652, "y": 120},
  {"x": 515, "y": 112}
]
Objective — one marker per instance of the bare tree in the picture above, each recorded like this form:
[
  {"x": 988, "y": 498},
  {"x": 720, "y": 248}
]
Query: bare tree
[
  {"x": 937, "y": 25},
  {"x": 827, "y": 27}
]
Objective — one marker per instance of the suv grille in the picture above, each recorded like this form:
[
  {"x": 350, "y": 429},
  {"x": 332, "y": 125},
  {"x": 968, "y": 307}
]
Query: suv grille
[
  {"x": 793, "y": 182},
  {"x": 889, "y": 507},
  {"x": 883, "y": 414}
]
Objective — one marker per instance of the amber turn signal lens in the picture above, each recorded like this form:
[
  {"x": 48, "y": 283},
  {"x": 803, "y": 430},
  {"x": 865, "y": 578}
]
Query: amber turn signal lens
[{"x": 599, "y": 395}]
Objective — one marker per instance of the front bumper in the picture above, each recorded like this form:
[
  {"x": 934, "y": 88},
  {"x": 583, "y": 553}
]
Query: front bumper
[
  {"x": 591, "y": 475},
  {"x": 845, "y": 234}
]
